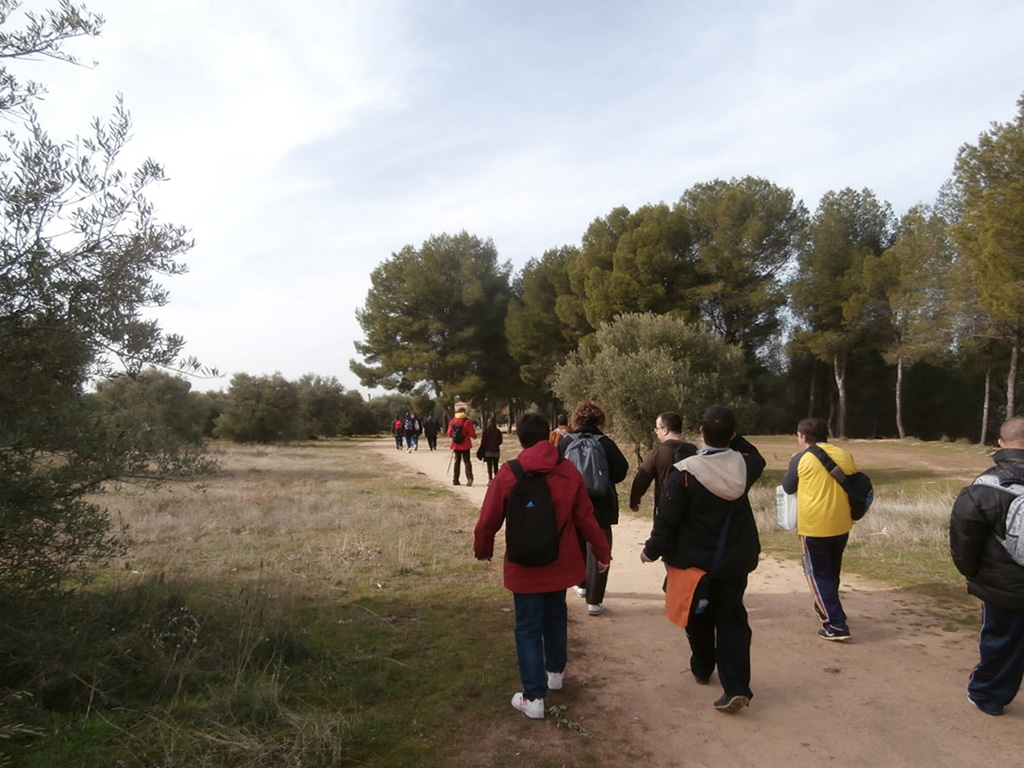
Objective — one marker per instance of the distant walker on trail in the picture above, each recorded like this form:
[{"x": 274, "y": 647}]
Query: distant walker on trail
[{"x": 461, "y": 431}]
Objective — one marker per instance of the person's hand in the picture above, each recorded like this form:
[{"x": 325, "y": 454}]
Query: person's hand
[
  {"x": 602, "y": 567},
  {"x": 635, "y": 507},
  {"x": 644, "y": 558}
]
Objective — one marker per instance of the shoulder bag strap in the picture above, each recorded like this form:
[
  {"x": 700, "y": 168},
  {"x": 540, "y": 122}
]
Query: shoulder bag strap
[{"x": 830, "y": 466}]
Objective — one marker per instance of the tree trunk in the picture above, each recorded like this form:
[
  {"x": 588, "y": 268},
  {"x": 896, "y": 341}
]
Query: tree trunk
[
  {"x": 839, "y": 366},
  {"x": 1011, "y": 380},
  {"x": 987, "y": 405},
  {"x": 899, "y": 398},
  {"x": 812, "y": 400}
]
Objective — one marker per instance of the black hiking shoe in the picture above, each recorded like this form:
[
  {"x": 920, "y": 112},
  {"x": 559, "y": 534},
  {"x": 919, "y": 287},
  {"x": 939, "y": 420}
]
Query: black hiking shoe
[
  {"x": 829, "y": 633},
  {"x": 731, "y": 704}
]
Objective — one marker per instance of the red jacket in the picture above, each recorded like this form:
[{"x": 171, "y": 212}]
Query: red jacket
[
  {"x": 468, "y": 433},
  {"x": 571, "y": 501}
]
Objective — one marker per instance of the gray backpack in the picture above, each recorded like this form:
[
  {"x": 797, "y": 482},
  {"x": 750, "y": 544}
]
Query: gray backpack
[
  {"x": 1014, "y": 541},
  {"x": 586, "y": 452}
]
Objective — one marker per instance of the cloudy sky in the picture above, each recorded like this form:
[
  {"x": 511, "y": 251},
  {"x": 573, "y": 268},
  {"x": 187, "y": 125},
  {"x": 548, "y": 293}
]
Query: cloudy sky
[{"x": 307, "y": 141}]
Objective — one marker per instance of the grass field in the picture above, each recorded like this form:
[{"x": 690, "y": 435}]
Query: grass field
[{"x": 308, "y": 608}]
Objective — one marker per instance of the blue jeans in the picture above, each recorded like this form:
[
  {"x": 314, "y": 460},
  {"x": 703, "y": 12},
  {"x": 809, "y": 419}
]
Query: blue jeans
[
  {"x": 823, "y": 563},
  {"x": 542, "y": 638},
  {"x": 997, "y": 677}
]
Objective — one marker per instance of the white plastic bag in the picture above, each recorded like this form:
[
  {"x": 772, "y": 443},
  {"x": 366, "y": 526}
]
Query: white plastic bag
[{"x": 785, "y": 509}]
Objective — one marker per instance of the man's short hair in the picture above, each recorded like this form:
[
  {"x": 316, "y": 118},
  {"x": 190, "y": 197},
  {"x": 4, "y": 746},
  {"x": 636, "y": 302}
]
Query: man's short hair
[
  {"x": 562, "y": 420},
  {"x": 588, "y": 414},
  {"x": 1012, "y": 432},
  {"x": 814, "y": 429},
  {"x": 532, "y": 428},
  {"x": 673, "y": 422},
  {"x": 718, "y": 425}
]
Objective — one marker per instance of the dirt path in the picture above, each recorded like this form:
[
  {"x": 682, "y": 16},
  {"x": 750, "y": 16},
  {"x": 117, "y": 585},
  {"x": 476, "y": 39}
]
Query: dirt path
[{"x": 893, "y": 696}]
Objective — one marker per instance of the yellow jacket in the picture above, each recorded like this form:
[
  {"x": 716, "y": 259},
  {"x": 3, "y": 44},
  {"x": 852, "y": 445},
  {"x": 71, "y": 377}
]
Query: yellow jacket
[{"x": 823, "y": 508}]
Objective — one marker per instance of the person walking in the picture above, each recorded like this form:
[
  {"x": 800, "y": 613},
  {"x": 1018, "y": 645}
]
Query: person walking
[
  {"x": 705, "y": 521},
  {"x": 490, "y": 445},
  {"x": 561, "y": 429},
  {"x": 668, "y": 428},
  {"x": 823, "y": 522},
  {"x": 588, "y": 420},
  {"x": 977, "y": 530},
  {"x": 538, "y": 592},
  {"x": 398, "y": 430},
  {"x": 430, "y": 430},
  {"x": 462, "y": 432}
]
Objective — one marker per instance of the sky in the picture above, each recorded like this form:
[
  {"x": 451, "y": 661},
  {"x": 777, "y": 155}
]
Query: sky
[{"x": 307, "y": 141}]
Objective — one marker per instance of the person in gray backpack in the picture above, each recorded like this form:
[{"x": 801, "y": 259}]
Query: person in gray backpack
[
  {"x": 602, "y": 465},
  {"x": 977, "y": 529}
]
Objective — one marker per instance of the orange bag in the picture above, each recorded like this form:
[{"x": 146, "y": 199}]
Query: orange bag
[{"x": 679, "y": 589}]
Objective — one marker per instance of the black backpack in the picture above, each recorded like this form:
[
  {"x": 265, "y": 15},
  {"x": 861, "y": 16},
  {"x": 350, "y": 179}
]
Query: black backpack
[
  {"x": 531, "y": 528},
  {"x": 457, "y": 436}
]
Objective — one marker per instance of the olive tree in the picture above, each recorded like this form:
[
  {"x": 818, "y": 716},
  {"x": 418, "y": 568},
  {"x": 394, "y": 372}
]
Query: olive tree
[
  {"x": 80, "y": 252},
  {"x": 644, "y": 364}
]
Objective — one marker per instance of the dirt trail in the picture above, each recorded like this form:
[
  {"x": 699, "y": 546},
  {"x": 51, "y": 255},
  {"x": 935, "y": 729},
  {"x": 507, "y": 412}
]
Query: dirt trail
[{"x": 893, "y": 696}]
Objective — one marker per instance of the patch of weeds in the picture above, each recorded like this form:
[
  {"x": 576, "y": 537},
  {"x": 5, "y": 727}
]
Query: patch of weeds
[{"x": 561, "y": 721}]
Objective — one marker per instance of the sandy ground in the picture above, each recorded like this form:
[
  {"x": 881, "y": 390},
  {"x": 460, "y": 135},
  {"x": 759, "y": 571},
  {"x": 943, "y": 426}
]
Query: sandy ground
[{"x": 894, "y": 695}]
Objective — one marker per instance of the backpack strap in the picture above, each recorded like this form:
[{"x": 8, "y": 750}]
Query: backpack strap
[
  {"x": 830, "y": 466},
  {"x": 993, "y": 481}
]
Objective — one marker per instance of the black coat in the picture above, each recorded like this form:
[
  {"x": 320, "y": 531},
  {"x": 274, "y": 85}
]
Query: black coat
[
  {"x": 690, "y": 519},
  {"x": 978, "y": 517}
]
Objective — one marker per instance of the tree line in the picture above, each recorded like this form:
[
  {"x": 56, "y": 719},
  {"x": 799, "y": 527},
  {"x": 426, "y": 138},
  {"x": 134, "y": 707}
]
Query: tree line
[{"x": 884, "y": 325}]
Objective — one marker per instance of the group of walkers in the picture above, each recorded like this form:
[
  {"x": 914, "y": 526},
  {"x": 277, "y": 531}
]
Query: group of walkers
[
  {"x": 705, "y": 534},
  {"x": 407, "y": 429}
]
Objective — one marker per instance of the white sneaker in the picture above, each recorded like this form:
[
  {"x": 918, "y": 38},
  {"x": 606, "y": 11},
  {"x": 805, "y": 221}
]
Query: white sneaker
[
  {"x": 595, "y": 610},
  {"x": 580, "y": 591},
  {"x": 555, "y": 680},
  {"x": 532, "y": 708}
]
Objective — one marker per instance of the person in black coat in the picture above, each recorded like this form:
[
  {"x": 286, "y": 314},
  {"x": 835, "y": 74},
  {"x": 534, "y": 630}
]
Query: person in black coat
[
  {"x": 977, "y": 527},
  {"x": 704, "y": 494},
  {"x": 588, "y": 418}
]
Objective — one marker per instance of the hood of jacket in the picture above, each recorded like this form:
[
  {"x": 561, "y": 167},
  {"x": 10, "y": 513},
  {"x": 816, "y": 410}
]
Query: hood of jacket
[
  {"x": 723, "y": 473},
  {"x": 539, "y": 457},
  {"x": 1009, "y": 465}
]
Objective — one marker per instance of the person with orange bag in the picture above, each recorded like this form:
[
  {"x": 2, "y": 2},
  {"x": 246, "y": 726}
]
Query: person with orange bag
[{"x": 704, "y": 522}]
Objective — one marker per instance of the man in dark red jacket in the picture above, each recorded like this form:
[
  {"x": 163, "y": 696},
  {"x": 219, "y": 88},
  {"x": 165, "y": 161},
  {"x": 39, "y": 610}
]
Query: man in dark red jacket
[
  {"x": 977, "y": 527},
  {"x": 539, "y": 591}
]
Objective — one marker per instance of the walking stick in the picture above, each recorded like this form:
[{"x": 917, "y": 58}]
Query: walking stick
[{"x": 450, "y": 455}]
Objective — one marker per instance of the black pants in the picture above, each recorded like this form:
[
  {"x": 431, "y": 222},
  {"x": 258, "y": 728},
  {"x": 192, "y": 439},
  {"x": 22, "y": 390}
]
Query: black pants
[
  {"x": 721, "y": 637},
  {"x": 462, "y": 456},
  {"x": 596, "y": 582}
]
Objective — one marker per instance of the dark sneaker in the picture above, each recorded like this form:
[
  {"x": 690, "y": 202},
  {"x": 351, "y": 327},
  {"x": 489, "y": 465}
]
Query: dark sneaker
[
  {"x": 701, "y": 680},
  {"x": 988, "y": 707},
  {"x": 829, "y": 633},
  {"x": 731, "y": 704},
  {"x": 469, "y": 482}
]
